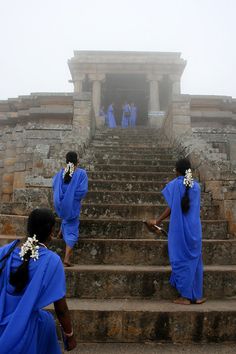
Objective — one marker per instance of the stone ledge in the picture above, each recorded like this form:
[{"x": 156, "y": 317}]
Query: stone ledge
[{"x": 143, "y": 320}]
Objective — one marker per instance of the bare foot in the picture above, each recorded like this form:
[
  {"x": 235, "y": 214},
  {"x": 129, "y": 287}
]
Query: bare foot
[
  {"x": 68, "y": 264},
  {"x": 182, "y": 301},
  {"x": 200, "y": 301}
]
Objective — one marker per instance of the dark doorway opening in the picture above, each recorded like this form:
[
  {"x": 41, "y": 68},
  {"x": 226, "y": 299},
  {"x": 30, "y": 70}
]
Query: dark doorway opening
[{"x": 119, "y": 88}]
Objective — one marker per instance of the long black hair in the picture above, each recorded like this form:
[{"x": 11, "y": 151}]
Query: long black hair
[
  {"x": 40, "y": 223},
  {"x": 181, "y": 166},
  {"x": 71, "y": 156}
]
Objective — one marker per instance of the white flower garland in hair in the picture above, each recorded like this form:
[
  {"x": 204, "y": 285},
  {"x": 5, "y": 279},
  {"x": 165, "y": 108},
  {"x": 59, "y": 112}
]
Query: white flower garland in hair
[
  {"x": 31, "y": 244},
  {"x": 188, "y": 178},
  {"x": 70, "y": 167}
]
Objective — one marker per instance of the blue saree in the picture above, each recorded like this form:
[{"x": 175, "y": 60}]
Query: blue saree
[
  {"x": 24, "y": 327},
  {"x": 185, "y": 240},
  {"x": 67, "y": 202},
  {"x": 111, "y": 121},
  {"x": 133, "y": 116},
  {"x": 125, "y": 117}
]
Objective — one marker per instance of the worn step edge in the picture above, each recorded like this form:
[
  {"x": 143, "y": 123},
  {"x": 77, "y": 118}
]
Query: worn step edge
[
  {"x": 133, "y": 305},
  {"x": 130, "y": 240},
  {"x": 108, "y": 268}
]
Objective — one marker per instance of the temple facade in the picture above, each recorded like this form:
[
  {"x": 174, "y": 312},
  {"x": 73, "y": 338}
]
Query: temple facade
[{"x": 149, "y": 79}]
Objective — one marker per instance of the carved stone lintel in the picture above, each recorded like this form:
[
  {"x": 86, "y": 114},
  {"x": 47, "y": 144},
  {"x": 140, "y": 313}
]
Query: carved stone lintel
[
  {"x": 154, "y": 77},
  {"x": 79, "y": 76},
  {"x": 174, "y": 77},
  {"x": 97, "y": 76}
]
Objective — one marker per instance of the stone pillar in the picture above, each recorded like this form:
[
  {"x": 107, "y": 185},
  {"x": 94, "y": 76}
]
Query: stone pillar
[
  {"x": 154, "y": 102},
  {"x": 83, "y": 119},
  {"x": 96, "y": 96},
  {"x": 155, "y": 118},
  {"x": 176, "y": 88},
  {"x": 78, "y": 82}
]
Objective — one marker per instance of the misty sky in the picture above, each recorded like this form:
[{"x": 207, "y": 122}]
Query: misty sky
[{"x": 37, "y": 37}]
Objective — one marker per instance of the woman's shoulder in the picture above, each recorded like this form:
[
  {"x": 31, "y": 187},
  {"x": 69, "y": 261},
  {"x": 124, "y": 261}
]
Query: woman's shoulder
[
  {"x": 58, "y": 174},
  {"x": 196, "y": 185},
  {"x": 4, "y": 249},
  {"x": 81, "y": 172},
  {"x": 53, "y": 255},
  {"x": 177, "y": 180},
  {"x": 51, "y": 258}
]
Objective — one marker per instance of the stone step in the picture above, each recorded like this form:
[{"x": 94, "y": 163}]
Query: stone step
[
  {"x": 112, "y": 228},
  {"x": 149, "y": 282},
  {"x": 26, "y": 200},
  {"x": 152, "y": 347},
  {"x": 131, "y": 135},
  {"x": 124, "y": 186},
  {"x": 134, "y": 161},
  {"x": 139, "y": 142},
  {"x": 142, "y": 252},
  {"x": 138, "y": 210},
  {"x": 124, "y": 149},
  {"x": 153, "y": 321},
  {"x": 168, "y": 170},
  {"x": 136, "y": 252},
  {"x": 104, "y": 186},
  {"x": 139, "y": 197},
  {"x": 131, "y": 176},
  {"x": 113, "y": 197},
  {"x": 126, "y": 229},
  {"x": 131, "y": 155}
]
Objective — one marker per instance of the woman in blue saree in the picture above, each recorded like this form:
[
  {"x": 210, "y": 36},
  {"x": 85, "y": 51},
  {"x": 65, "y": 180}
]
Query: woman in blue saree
[
  {"x": 70, "y": 186},
  {"x": 133, "y": 115},
  {"x": 185, "y": 234},
  {"x": 32, "y": 277},
  {"x": 126, "y": 112},
  {"x": 111, "y": 121}
]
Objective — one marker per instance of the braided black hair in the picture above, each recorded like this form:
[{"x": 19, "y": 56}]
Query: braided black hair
[
  {"x": 71, "y": 156},
  {"x": 40, "y": 223},
  {"x": 181, "y": 166}
]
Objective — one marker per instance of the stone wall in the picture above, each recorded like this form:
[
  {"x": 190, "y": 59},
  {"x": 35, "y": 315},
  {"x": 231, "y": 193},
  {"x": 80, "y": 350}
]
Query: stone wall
[
  {"x": 36, "y": 133},
  {"x": 204, "y": 129}
]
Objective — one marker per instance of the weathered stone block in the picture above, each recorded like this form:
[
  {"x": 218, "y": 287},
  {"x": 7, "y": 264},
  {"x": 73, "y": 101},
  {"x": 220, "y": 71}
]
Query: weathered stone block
[
  {"x": 19, "y": 166},
  {"x": 19, "y": 180},
  {"x": 7, "y": 188},
  {"x": 8, "y": 178},
  {"x": 9, "y": 161}
]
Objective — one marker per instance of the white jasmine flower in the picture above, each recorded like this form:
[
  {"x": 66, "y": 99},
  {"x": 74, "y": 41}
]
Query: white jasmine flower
[
  {"x": 70, "y": 167},
  {"x": 31, "y": 244},
  {"x": 188, "y": 179}
]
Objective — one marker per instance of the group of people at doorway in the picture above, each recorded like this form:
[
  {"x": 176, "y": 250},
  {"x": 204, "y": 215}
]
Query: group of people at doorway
[
  {"x": 32, "y": 276},
  {"x": 128, "y": 119}
]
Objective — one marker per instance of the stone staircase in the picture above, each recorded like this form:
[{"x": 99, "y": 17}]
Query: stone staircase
[{"x": 118, "y": 290}]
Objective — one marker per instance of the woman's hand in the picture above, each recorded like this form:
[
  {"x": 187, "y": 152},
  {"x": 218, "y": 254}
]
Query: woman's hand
[
  {"x": 151, "y": 222},
  {"x": 71, "y": 343}
]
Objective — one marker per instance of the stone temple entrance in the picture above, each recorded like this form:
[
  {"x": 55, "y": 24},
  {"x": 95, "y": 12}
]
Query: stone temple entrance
[
  {"x": 119, "y": 88},
  {"x": 150, "y": 79}
]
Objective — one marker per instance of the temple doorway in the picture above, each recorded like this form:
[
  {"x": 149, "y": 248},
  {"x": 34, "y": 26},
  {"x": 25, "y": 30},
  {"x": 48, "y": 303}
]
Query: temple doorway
[{"x": 119, "y": 88}]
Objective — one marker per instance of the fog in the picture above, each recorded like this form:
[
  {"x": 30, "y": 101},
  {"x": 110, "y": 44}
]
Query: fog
[{"x": 37, "y": 37}]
